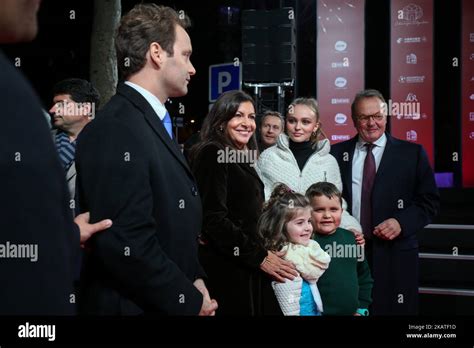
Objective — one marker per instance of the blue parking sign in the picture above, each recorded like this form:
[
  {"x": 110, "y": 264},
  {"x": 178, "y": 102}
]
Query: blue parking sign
[{"x": 224, "y": 77}]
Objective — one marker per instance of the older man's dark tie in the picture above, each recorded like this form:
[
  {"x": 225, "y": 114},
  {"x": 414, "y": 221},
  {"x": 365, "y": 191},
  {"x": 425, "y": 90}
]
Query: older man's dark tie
[{"x": 366, "y": 195}]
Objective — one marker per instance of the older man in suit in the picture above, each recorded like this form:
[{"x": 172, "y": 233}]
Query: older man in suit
[
  {"x": 131, "y": 169},
  {"x": 390, "y": 188}
]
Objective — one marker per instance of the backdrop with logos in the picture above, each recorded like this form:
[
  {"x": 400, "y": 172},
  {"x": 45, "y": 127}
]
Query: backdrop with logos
[{"x": 340, "y": 63}]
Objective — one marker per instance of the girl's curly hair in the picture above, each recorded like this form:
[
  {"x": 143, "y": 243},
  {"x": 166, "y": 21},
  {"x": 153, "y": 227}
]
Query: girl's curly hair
[{"x": 281, "y": 208}]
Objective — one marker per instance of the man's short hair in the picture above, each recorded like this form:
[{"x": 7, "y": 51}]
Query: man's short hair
[
  {"x": 366, "y": 93},
  {"x": 274, "y": 114},
  {"x": 323, "y": 188},
  {"x": 81, "y": 91},
  {"x": 139, "y": 28}
]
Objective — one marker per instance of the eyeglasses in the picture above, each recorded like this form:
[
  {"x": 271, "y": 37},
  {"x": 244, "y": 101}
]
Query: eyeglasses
[{"x": 365, "y": 119}]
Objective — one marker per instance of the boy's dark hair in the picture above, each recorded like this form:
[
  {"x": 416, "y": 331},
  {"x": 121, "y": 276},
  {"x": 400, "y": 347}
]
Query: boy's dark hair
[
  {"x": 323, "y": 188},
  {"x": 81, "y": 91}
]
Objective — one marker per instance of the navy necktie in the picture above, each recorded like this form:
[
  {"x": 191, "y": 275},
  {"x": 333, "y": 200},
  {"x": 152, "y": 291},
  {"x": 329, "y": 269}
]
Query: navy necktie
[
  {"x": 168, "y": 124},
  {"x": 366, "y": 194}
]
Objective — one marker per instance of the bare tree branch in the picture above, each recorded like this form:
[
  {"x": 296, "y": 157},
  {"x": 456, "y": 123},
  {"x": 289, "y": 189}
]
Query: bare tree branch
[{"x": 103, "y": 62}]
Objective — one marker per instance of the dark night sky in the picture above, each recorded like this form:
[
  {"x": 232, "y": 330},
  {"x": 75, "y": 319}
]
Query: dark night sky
[{"x": 62, "y": 50}]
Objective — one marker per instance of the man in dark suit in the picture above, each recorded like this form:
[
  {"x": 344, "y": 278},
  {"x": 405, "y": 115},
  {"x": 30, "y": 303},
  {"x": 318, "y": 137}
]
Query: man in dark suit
[
  {"x": 390, "y": 188},
  {"x": 39, "y": 242},
  {"x": 130, "y": 168}
]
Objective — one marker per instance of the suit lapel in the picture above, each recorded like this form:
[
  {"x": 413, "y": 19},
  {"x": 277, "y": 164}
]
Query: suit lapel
[
  {"x": 387, "y": 159},
  {"x": 153, "y": 120}
]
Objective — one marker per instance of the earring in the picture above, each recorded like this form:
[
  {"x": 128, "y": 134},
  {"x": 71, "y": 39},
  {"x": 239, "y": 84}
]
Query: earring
[
  {"x": 221, "y": 128},
  {"x": 315, "y": 132}
]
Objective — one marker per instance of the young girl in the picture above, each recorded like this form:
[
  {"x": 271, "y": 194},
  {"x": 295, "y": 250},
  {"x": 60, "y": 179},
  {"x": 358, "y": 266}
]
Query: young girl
[{"x": 285, "y": 227}]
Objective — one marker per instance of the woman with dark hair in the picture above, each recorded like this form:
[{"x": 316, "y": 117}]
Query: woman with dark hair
[{"x": 239, "y": 269}]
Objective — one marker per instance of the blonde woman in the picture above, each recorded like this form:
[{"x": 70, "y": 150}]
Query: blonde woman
[{"x": 300, "y": 159}]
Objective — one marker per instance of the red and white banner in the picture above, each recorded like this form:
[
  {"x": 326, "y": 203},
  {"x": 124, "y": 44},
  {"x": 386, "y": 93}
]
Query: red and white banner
[
  {"x": 411, "y": 84},
  {"x": 340, "y": 63},
  {"x": 467, "y": 107}
]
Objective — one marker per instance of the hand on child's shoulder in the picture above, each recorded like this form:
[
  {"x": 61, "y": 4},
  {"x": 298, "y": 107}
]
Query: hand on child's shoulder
[{"x": 359, "y": 237}]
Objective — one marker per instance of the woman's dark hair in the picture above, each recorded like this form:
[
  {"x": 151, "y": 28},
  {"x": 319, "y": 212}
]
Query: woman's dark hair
[
  {"x": 213, "y": 130},
  {"x": 281, "y": 208}
]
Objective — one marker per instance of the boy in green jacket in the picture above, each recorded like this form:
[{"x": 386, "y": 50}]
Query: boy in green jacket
[{"x": 346, "y": 286}]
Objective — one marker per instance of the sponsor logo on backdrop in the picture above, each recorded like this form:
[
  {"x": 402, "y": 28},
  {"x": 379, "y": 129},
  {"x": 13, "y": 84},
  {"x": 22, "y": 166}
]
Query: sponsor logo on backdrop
[
  {"x": 411, "y": 79},
  {"x": 343, "y": 64},
  {"x": 340, "y": 82},
  {"x": 411, "y": 40},
  {"x": 412, "y": 135},
  {"x": 335, "y": 101},
  {"x": 411, "y": 97},
  {"x": 471, "y": 37},
  {"x": 412, "y": 58},
  {"x": 411, "y": 14},
  {"x": 471, "y": 135},
  {"x": 340, "y": 137},
  {"x": 471, "y": 116},
  {"x": 340, "y": 118},
  {"x": 471, "y": 97},
  {"x": 340, "y": 46},
  {"x": 471, "y": 56}
]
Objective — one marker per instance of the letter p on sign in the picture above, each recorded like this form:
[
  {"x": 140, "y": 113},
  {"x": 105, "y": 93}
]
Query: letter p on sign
[{"x": 223, "y": 78}]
